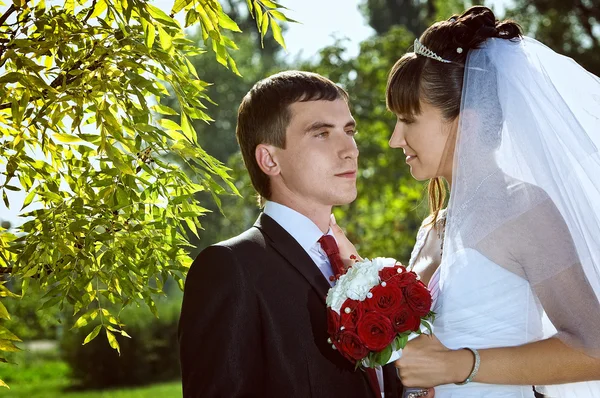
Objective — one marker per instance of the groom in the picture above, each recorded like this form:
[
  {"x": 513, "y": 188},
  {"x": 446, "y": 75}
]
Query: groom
[{"x": 253, "y": 320}]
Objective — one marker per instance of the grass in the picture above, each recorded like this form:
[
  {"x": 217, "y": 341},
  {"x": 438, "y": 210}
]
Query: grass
[
  {"x": 53, "y": 389},
  {"x": 44, "y": 375}
]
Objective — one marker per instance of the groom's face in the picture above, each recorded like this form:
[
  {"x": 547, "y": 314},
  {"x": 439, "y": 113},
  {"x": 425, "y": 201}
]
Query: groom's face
[{"x": 319, "y": 163}]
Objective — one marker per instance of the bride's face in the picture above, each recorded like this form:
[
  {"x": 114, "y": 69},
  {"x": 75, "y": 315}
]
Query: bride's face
[{"x": 428, "y": 142}]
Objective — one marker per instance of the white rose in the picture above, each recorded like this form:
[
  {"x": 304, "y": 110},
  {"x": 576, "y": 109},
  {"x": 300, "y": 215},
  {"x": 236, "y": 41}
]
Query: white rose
[
  {"x": 383, "y": 262},
  {"x": 362, "y": 280},
  {"x": 357, "y": 282}
]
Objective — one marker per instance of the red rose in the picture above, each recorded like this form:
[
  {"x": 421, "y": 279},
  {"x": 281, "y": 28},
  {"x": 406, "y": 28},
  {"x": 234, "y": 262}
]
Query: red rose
[
  {"x": 386, "y": 299},
  {"x": 350, "y": 346},
  {"x": 405, "y": 320},
  {"x": 418, "y": 298},
  {"x": 350, "y": 320},
  {"x": 333, "y": 323},
  {"x": 401, "y": 279},
  {"x": 376, "y": 331},
  {"x": 404, "y": 279},
  {"x": 389, "y": 272}
]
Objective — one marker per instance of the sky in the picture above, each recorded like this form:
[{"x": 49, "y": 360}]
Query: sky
[{"x": 321, "y": 21}]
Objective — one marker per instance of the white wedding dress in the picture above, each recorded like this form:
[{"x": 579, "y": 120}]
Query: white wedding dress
[
  {"x": 482, "y": 304},
  {"x": 472, "y": 310},
  {"x": 521, "y": 255}
]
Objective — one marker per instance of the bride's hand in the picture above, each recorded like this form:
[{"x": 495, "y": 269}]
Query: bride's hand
[
  {"x": 426, "y": 362},
  {"x": 348, "y": 252}
]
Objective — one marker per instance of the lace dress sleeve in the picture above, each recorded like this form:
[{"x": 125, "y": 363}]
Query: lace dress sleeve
[{"x": 552, "y": 265}]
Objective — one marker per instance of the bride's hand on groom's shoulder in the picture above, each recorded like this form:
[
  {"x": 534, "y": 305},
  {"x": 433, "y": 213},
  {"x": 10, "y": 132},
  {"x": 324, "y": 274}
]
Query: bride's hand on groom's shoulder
[
  {"x": 348, "y": 252},
  {"x": 426, "y": 362}
]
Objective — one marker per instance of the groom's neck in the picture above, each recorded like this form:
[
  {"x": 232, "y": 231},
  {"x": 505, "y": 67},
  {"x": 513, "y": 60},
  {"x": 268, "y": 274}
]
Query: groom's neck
[{"x": 316, "y": 212}]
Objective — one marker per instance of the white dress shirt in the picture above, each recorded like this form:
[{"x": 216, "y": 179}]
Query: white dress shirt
[{"x": 307, "y": 234}]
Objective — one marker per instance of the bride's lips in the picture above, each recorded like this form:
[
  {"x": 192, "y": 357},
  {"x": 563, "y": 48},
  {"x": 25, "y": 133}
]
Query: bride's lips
[
  {"x": 410, "y": 158},
  {"x": 347, "y": 174}
]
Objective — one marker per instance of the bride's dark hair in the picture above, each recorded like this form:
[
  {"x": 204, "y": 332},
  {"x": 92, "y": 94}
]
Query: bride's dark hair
[{"x": 415, "y": 78}]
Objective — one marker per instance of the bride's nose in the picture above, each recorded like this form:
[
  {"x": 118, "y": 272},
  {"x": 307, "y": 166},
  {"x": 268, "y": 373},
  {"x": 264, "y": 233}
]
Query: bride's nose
[{"x": 397, "y": 140}]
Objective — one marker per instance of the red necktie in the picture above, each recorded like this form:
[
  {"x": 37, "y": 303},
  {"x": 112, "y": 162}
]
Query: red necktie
[{"x": 332, "y": 250}]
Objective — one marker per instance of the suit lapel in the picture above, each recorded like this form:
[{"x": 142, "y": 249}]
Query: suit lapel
[{"x": 291, "y": 250}]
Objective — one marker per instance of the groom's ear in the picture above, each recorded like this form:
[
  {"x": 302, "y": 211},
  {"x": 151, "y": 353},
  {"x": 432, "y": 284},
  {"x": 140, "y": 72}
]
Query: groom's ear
[{"x": 265, "y": 157}]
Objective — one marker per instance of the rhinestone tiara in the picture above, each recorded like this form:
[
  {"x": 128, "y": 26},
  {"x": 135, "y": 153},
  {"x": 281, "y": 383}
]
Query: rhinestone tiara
[{"x": 420, "y": 49}]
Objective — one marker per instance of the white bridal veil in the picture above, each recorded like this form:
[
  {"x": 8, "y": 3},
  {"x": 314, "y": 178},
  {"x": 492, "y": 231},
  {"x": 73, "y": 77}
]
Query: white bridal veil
[{"x": 526, "y": 188}]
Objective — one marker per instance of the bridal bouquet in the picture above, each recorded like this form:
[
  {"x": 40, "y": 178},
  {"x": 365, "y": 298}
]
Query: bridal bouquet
[{"x": 373, "y": 310}]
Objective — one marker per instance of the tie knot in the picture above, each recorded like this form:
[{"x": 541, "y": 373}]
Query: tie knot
[{"x": 329, "y": 245}]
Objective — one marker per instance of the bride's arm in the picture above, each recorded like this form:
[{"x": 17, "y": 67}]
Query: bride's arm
[
  {"x": 427, "y": 363},
  {"x": 572, "y": 355}
]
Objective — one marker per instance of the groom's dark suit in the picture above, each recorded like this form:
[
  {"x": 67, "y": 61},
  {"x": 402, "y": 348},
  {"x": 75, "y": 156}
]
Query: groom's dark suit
[{"x": 253, "y": 324}]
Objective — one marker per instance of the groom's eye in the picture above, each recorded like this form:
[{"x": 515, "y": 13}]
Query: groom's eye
[
  {"x": 352, "y": 132},
  {"x": 322, "y": 134}
]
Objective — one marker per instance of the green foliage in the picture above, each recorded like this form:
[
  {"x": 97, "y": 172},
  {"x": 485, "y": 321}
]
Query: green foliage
[
  {"x": 28, "y": 321},
  {"x": 570, "y": 27},
  {"x": 34, "y": 368},
  {"x": 84, "y": 135},
  {"x": 151, "y": 355},
  {"x": 218, "y": 138}
]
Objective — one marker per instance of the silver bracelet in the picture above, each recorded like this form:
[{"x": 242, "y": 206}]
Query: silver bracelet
[{"x": 475, "y": 367}]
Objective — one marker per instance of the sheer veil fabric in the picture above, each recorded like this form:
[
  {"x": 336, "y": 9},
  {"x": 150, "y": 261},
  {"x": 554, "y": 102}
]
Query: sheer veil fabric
[{"x": 525, "y": 197}]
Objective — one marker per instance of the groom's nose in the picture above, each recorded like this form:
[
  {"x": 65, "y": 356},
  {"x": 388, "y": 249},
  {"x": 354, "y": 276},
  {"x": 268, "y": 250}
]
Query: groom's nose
[{"x": 349, "y": 149}]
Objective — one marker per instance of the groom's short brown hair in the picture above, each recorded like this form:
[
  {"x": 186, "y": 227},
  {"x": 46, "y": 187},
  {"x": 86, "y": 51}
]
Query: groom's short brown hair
[{"x": 264, "y": 115}]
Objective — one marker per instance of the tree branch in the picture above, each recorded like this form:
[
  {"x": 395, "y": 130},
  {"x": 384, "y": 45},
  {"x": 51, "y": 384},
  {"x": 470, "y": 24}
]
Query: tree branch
[
  {"x": 69, "y": 79},
  {"x": 90, "y": 12},
  {"x": 5, "y": 16}
]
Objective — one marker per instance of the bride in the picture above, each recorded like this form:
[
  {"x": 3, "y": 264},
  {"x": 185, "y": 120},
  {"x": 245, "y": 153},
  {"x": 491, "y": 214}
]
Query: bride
[{"x": 513, "y": 263}]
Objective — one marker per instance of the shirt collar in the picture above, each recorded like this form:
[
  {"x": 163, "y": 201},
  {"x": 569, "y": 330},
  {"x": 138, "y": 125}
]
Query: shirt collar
[{"x": 298, "y": 225}]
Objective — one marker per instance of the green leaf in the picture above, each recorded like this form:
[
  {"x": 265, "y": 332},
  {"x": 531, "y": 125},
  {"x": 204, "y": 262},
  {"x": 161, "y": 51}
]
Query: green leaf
[
  {"x": 191, "y": 17},
  {"x": 2, "y": 383},
  {"x": 112, "y": 340},
  {"x": 69, "y": 6},
  {"x": 5, "y": 199},
  {"x": 281, "y": 17},
  {"x": 5, "y": 334},
  {"x": 166, "y": 41},
  {"x": 92, "y": 335},
  {"x": 264, "y": 26},
  {"x": 99, "y": 8},
  {"x": 163, "y": 110},
  {"x": 29, "y": 198},
  {"x": 169, "y": 124},
  {"x": 85, "y": 318},
  {"x": 401, "y": 341},
  {"x": 180, "y": 5},
  {"x": 382, "y": 357},
  {"x": 7, "y": 345},
  {"x": 67, "y": 138},
  {"x": 276, "y": 29},
  {"x": 227, "y": 23},
  {"x": 3, "y": 312},
  {"x": 150, "y": 32}
]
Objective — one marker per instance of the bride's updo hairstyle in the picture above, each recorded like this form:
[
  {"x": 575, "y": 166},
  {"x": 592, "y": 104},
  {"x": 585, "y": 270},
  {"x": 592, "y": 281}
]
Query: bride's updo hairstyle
[{"x": 415, "y": 77}]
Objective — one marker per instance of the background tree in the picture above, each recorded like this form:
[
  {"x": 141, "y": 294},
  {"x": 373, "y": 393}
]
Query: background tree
[
  {"x": 570, "y": 27},
  {"x": 84, "y": 134},
  {"x": 256, "y": 61}
]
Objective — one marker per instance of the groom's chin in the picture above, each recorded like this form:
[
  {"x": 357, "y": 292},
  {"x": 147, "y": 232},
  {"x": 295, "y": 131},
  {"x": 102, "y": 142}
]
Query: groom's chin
[{"x": 346, "y": 199}]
